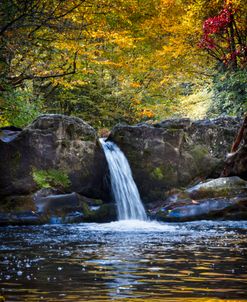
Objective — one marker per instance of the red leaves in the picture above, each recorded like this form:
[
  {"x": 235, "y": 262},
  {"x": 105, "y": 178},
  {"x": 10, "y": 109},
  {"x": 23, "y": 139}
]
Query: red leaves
[
  {"x": 218, "y": 23},
  {"x": 222, "y": 37},
  {"x": 207, "y": 42},
  {"x": 215, "y": 25}
]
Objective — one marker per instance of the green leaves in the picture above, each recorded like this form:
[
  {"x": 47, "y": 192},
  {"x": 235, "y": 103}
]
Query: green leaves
[
  {"x": 51, "y": 179},
  {"x": 229, "y": 93},
  {"x": 19, "y": 106}
]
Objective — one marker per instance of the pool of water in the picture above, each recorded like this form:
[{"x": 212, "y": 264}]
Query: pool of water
[{"x": 125, "y": 261}]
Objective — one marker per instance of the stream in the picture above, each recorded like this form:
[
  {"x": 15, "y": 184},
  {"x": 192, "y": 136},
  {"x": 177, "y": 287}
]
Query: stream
[{"x": 125, "y": 260}]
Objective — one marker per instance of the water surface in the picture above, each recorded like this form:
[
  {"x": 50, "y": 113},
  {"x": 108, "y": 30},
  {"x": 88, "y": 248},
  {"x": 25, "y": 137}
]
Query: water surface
[{"x": 125, "y": 261}]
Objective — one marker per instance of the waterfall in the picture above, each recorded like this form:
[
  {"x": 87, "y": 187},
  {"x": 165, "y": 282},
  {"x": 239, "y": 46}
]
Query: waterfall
[{"x": 125, "y": 192}]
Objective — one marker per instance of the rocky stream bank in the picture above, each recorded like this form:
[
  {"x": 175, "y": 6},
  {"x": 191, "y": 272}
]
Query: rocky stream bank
[{"x": 55, "y": 170}]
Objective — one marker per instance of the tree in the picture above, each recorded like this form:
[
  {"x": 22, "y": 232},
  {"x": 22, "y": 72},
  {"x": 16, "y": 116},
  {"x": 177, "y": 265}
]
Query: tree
[
  {"x": 224, "y": 39},
  {"x": 29, "y": 32},
  {"x": 224, "y": 36},
  {"x": 107, "y": 61}
]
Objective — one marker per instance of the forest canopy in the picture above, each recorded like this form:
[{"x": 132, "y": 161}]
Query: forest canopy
[{"x": 122, "y": 61}]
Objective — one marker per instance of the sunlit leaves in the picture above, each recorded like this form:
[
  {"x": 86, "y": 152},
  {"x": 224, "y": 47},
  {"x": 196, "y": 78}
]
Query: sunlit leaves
[{"x": 113, "y": 61}]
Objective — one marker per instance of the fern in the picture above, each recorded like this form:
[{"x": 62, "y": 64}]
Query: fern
[{"x": 51, "y": 178}]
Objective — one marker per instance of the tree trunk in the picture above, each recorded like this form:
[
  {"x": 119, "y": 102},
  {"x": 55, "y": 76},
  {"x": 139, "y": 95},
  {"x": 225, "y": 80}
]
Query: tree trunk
[{"x": 239, "y": 136}]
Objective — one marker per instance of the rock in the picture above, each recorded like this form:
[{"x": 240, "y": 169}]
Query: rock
[
  {"x": 70, "y": 208},
  {"x": 219, "y": 208},
  {"x": 173, "y": 153},
  {"x": 61, "y": 203},
  {"x": 7, "y": 134},
  {"x": 236, "y": 164},
  {"x": 17, "y": 203},
  {"x": 73, "y": 217},
  {"x": 58, "y": 142},
  {"x": 51, "y": 206},
  {"x": 21, "y": 218},
  {"x": 222, "y": 198},
  {"x": 103, "y": 213},
  {"x": 182, "y": 123},
  {"x": 44, "y": 192},
  {"x": 220, "y": 187}
]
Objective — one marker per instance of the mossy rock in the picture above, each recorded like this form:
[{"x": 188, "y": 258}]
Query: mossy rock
[
  {"x": 220, "y": 187},
  {"x": 105, "y": 213},
  {"x": 199, "y": 153},
  {"x": 157, "y": 173},
  {"x": 56, "y": 150},
  {"x": 17, "y": 203}
]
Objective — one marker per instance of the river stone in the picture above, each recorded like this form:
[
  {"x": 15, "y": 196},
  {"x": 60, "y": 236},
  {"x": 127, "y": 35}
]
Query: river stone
[
  {"x": 70, "y": 208},
  {"x": 220, "y": 187},
  {"x": 7, "y": 134},
  {"x": 221, "y": 198},
  {"x": 58, "y": 203},
  {"x": 53, "y": 142},
  {"x": 218, "y": 208},
  {"x": 103, "y": 213},
  {"x": 17, "y": 203},
  {"x": 73, "y": 217},
  {"x": 175, "y": 152},
  {"x": 21, "y": 218}
]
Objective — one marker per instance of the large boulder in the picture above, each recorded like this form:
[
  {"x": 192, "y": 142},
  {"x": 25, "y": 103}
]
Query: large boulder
[
  {"x": 57, "y": 142},
  {"x": 175, "y": 152}
]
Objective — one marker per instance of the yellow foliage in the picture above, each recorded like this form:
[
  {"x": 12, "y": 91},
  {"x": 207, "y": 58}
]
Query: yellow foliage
[
  {"x": 146, "y": 113},
  {"x": 3, "y": 121},
  {"x": 145, "y": 49},
  {"x": 135, "y": 85}
]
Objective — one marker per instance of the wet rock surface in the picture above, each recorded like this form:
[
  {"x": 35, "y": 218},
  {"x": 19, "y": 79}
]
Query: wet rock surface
[
  {"x": 223, "y": 198},
  {"x": 7, "y": 134},
  {"x": 50, "y": 206},
  {"x": 58, "y": 203},
  {"x": 22, "y": 218}
]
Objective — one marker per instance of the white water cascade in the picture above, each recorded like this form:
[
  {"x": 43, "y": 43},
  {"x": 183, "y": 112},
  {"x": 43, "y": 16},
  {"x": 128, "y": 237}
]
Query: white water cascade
[{"x": 129, "y": 205}]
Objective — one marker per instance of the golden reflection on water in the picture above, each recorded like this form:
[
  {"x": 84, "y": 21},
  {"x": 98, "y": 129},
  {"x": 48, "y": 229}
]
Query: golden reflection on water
[
  {"x": 105, "y": 266},
  {"x": 178, "y": 300},
  {"x": 75, "y": 298}
]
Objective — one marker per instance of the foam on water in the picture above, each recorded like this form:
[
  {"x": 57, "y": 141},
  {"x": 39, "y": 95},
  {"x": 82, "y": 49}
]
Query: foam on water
[{"x": 133, "y": 225}]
